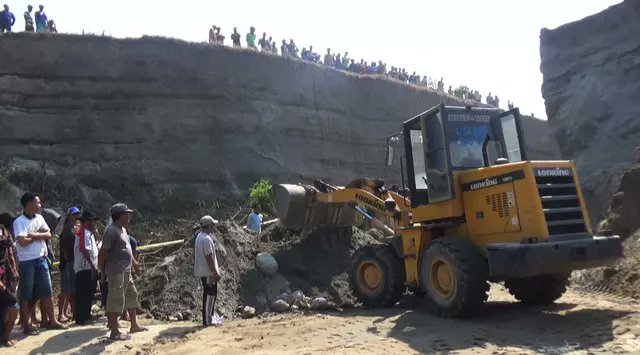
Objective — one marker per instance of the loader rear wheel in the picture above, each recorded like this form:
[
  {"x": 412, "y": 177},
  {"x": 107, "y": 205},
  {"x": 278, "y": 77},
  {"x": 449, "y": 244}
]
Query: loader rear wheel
[
  {"x": 454, "y": 276},
  {"x": 376, "y": 276},
  {"x": 544, "y": 289}
]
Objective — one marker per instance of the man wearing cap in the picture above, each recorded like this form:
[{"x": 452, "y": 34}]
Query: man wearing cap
[
  {"x": 115, "y": 260},
  {"x": 206, "y": 267},
  {"x": 67, "y": 274},
  {"x": 85, "y": 265}
]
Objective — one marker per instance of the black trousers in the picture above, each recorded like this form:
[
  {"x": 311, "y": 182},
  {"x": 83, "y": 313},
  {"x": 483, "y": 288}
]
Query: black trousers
[
  {"x": 85, "y": 289},
  {"x": 209, "y": 295}
]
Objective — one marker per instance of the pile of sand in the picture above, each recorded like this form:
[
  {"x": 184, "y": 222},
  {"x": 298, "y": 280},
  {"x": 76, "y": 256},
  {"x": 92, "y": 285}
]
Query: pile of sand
[
  {"x": 315, "y": 263},
  {"x": 623, "y": 278}
]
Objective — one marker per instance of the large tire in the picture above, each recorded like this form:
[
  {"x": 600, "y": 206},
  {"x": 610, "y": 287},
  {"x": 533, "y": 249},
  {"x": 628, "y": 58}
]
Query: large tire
[
  {"x": 454, "y": 276},
  {"x": 377, "y": 276},
  {"x": 544, "y": 289}
]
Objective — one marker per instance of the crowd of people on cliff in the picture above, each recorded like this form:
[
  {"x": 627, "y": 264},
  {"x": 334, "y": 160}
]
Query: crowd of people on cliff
[
  {"x": 342, "y": 61},
  {"x": 38, "y": 23}
]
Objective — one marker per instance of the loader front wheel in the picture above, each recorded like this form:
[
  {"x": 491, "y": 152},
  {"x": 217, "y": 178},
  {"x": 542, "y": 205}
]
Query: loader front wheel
[
  {"x": 541, "y": 290},
  {"x": 454, "y": 276},
  {"x": 376, "y": 276}
]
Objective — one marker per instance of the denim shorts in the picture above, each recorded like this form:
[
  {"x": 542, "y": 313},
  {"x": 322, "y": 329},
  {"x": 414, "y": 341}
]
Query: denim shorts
[{"x": 35, "y": 281}]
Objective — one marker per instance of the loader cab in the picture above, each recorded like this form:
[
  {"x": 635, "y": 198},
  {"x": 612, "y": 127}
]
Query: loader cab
[{"x": 446, "y": 139}]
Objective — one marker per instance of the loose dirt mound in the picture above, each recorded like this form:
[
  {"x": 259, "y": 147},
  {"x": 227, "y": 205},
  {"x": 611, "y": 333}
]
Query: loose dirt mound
[
  {"x": 315, "y": 263},
  {"x": 624, "y": 211},
  {"x": 623, "y": 278},
  {"x": 622, "y": 219}
]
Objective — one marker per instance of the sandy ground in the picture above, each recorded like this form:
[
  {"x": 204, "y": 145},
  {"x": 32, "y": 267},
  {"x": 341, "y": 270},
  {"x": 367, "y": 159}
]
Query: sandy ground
[{"x": 580, "y": 322}]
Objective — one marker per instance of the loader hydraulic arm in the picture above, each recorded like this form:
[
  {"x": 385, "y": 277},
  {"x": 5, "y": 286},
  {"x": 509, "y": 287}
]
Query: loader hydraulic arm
[
  {"x": 387, "y": 207},
  {"x": 305, "y": 206}
]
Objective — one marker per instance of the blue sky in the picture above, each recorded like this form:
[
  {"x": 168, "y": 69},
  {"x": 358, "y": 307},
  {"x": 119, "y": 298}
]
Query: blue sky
[{"x": 489, "y": 45}]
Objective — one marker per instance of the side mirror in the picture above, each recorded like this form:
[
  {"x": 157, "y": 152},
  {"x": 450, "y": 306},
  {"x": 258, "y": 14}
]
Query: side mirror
[{"x": 391, "y": 150}]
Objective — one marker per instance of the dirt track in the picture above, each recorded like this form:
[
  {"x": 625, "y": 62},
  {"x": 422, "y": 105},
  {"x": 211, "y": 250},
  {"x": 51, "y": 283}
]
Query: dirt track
[{"x": 580, "y": 321}]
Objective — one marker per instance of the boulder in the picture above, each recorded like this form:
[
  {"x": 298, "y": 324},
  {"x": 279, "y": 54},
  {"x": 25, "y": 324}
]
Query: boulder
[
  {"x": 295, "y": 308},
  {"x": 319, "y": 304},
  {"x": 280, "y": 306},
  {"x": 287, "y": 297},
  {"x": 297, "y": 296},
  {"x": 248, "y": 312},
  {"x": 266, "y": 264}
]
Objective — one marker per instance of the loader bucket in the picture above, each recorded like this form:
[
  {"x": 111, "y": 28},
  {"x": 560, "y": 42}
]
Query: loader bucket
[{"x": 297, "y": 209}]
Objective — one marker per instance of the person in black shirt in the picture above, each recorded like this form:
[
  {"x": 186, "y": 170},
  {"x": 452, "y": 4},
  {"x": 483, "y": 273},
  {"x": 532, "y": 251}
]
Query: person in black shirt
[
  {"x": 235, "y": 37},
  {"x": 67, "y": 274}
]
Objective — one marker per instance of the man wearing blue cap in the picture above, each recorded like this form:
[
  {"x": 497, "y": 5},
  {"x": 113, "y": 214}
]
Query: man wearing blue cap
[{"x": 67, "y": 274}]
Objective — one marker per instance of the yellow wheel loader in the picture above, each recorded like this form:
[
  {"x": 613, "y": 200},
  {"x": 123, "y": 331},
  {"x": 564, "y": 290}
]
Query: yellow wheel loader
[{"x": 471, "y": 210}]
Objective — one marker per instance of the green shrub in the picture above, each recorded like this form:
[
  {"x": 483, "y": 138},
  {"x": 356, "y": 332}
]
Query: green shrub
[{"x": 260, "y": 193}]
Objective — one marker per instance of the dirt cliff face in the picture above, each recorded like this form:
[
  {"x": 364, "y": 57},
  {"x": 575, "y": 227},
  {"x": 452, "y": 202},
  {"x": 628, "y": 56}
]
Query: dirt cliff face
[
  {"x": 163, "y": 123},
  {"x": 591, "y": 88}
]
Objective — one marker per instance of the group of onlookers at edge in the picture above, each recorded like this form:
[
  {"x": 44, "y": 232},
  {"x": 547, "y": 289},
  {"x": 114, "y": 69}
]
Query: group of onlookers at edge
[
  {"x": 42, "y": 22},
  {"x": 26, "y": 262},
  {"x": 343, "y": 62}
]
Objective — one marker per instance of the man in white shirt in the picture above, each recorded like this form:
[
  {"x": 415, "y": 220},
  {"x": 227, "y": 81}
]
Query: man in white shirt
[
  {"x": 206, "y": 267},
  {"x": 31, "y": 233},
  {"x": 85, "y": 265}
]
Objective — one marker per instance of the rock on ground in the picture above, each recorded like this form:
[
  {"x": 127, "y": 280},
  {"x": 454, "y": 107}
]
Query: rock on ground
[
  {"x": 248, "y": 312},
  {"x": 319, "y": 304},
  {"x": 280, "y": 306},
  {"x": 266, "y": 264}
]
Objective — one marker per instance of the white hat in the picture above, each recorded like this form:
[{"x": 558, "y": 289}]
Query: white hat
[{"x": 207, "y": 220}]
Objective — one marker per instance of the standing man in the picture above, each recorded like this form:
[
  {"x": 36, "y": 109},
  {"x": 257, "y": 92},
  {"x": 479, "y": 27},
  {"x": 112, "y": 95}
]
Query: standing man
[
  {"x": 206, "y": 267},
  {"x": 6, "y": 19},
  {"x": 329, "y": 59},
  {"x": 67, "y": 274},
  {"x": 264, "y": 45},
  {"x": 235, "y": 37},
  {"x": 52, "y": 218},
  {"x": 28, "y": 20},
  {"x": 41, "y": 20},
  {"x": 251, "y": 38},
  {"x": 254, "y": 222},
  {"x": 32, "y": 232},
  {"x": 85, "y": 265},
  {"x": 116, "y": 261}
]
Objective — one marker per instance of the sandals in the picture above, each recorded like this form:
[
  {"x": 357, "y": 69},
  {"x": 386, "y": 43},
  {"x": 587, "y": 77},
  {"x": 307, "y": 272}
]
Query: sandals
[
  {"x": 120, "y": 336},
  {"x": 9, "y": 343},
  {"x": 31, "y": 331},
  {"x": 56, "y": 326},
  {"x": 138, "y": 330}
]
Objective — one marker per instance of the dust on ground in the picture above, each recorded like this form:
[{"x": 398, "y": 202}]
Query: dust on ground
[
  {"x": 315, "y": 263},
  {"x": 580, "y": 322}
]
